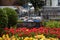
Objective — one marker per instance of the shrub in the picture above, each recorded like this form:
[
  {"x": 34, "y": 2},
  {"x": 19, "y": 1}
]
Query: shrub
[
  {"x": 3, "y": 18},
  {"x": 12, "y": 16},
  {"x": 52, "y": 24}
]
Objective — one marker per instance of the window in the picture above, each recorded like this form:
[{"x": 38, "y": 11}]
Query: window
[
  {"x": 58, "y": 2},
  {"x": 48, "y": 2}
]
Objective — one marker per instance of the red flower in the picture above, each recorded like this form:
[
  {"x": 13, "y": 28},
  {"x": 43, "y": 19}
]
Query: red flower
[
  {"x": 27, "y": 32},
  {"x": 12, "y": 30},
  {"x": 6, "y": 29},
  {"x": 58, "y": 36},
  {"x": 46, "y": 31},
  {"x": 20, "y": 35},
  {"x": 17, "y": 30}
]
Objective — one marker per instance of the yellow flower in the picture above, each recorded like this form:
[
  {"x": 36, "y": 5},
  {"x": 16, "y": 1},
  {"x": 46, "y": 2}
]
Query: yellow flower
[
  {"x": 42, "y": 39},
  {"x": 57, "y": 39},
  {"x": 27, "y": 38},
  {"x": 22, "y": 37},
  {"x": 13, "y": 38},
  {"x": 30, "y": 38},
  {"x": 40, "y": 36},
  {"x": 3, "y": 36},
  {"x": 47, "y": 39},
  {"x": 17, "y": 39},
  {"x": 7, "y": 39},
  {"x": 54, "y": 39},
  {"x": 0, "y": 38},
  {"x": 7, "y": 36},
  {"x": 35, "y": 39}
]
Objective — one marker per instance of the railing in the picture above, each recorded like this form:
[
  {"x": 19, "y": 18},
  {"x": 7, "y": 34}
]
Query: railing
[{"x": 52, "y": 12}]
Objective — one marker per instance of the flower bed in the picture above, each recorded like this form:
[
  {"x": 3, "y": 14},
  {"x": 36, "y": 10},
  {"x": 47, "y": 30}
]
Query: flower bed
[
  {"x": 25, "y": 32},
  {"x": 36, "y": 37}
]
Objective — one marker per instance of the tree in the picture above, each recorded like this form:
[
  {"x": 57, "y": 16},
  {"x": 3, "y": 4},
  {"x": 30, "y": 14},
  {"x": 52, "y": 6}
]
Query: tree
[
  {"x": 12, "y": 16},
  {"x": 37, "y": 3},
  {"x": 3, "y": 19}
]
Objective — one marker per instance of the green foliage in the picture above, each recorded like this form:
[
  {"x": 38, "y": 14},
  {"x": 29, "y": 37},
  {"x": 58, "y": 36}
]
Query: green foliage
[
  {"x": 3, "y": 18},
  {"x": 12, "y": 16},
  {"x": 52, "y": 24},
  {"x": 20, "y": 21},
  {"x": 37, "y": 3}
]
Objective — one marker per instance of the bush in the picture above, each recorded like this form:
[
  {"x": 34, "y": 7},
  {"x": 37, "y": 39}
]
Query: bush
[
  {"x": 3, "y": 18},
  {"x": 12, "y": 16},
  {"x": 52, "y": 24}
]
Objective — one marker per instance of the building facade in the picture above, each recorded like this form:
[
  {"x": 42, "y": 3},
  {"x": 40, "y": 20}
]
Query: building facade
[
  {"x": 52, "y": 2},
  {"x": 7, "y": 2},
  {"x": 51, "y": 10}
]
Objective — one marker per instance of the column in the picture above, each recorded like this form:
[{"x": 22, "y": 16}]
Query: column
[{"x": 54, "y": 3}]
